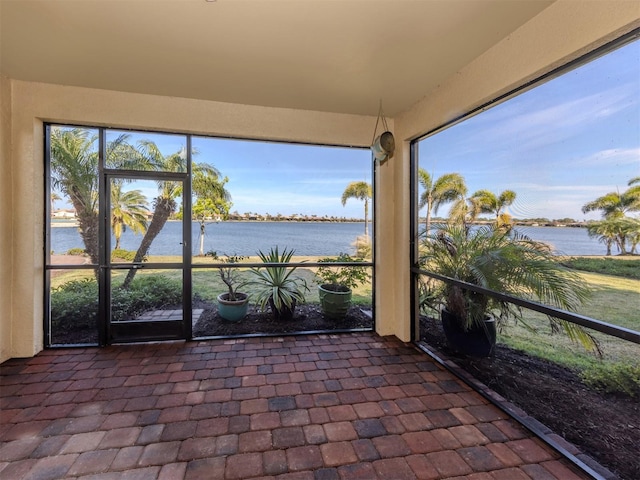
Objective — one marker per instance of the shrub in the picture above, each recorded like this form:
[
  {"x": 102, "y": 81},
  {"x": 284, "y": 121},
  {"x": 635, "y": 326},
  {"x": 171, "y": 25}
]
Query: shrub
[
  {"x": 614, "y": 378},
  {"x": 350, "y": 277},
  {"x": 364, "y": 249},
  {"x": 121, "y": 254},
  {"x": 76, "y": 251},
  {"x": 74, "y": 305},
  {"x": 144, "y": 293}
]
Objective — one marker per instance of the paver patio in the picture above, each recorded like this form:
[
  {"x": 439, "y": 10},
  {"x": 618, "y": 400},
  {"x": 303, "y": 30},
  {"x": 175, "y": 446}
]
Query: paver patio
[{"x": 319, "y": 407}]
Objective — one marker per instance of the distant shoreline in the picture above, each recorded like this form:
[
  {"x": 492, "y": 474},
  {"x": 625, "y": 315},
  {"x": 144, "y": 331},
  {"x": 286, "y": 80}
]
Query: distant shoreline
[{"x": 71, "y": 223}]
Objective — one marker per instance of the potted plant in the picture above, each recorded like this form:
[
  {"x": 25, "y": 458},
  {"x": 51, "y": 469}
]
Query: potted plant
[
  {"x": 276, "y": 286},
  {"x": 501, "y": 260},
  {"x": 232, "y": 304},
  {"x": 337, "y": 284}
]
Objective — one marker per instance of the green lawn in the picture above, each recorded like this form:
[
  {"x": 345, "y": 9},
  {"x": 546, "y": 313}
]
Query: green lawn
[
  {"x": 207, "y": 283},
  {"x": 615, "y": 300},
  {"x": 623, "y": 266}
]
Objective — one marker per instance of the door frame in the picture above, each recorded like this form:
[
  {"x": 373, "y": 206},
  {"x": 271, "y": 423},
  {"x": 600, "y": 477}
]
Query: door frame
[{"x": 142, "y": 331}]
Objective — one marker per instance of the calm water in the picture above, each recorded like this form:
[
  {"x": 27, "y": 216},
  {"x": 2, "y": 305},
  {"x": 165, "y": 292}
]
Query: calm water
[
  {"x": 241, "y": 238},
  {"x": 246, "y": 238}
]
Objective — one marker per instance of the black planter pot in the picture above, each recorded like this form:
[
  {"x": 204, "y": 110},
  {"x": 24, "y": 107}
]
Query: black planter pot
[{"x": 478, "y": 341}]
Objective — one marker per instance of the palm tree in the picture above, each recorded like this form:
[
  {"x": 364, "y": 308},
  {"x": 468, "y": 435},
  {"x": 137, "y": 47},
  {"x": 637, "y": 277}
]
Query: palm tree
[
  {"x": 360, "y": 191},
  {"x": 54, "y": 197},
  {"x": 606, "y": 231},
  {"x": 164, "y": 205},
  {"x": 633, "y": 234},
  {"x": 486, "y": 201},
  {"x": 616, "y": 204},
  {"x": 614, "y": 207},
  {"x": 212, "y": 198},
  {"x": 464, "y": 211},
  {"x": 74, "y": 172},
  {"x": 128, "y": 209},
  {"x": 447, "y": 188}
]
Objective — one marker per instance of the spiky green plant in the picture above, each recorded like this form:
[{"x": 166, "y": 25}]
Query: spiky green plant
[{"x": 276, "y": 285}]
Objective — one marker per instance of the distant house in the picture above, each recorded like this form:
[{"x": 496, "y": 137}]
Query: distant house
[{"x": 64, "y": 213}]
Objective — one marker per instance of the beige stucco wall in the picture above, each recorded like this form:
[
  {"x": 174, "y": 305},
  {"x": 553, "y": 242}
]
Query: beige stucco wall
[
  {"x": 6, "y": 245},
  {"x": 560, "y": 33},
  {"x": 35, "y": 103}
]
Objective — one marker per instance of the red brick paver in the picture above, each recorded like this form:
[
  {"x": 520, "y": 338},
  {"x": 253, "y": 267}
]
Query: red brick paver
[{"x": 319, "y": 407}]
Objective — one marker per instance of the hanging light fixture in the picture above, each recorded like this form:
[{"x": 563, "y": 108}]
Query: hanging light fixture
[{"x": 384, "y": 144}]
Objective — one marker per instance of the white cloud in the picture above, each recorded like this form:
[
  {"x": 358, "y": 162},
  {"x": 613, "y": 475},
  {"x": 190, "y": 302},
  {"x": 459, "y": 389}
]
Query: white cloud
[
  {"x": 533, "y": 126},
  {"x": 613, "y": 156}
]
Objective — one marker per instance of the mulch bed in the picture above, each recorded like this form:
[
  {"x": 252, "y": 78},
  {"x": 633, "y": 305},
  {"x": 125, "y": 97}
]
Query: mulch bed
[
  {"x": 604, "y": 426},
  {"x": 307, "y": 318}
]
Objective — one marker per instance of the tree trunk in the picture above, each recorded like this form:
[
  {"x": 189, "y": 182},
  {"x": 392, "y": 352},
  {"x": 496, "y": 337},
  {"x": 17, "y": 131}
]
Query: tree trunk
[
  {"x": 621, "y": 240},
  {"x": 366, "y": 217},
  {"x": 164, "y": 207},
  {"x": 88, "y": 226},
  {"x": 427, "y": 222},
  {"x": 202, "y": 238}
]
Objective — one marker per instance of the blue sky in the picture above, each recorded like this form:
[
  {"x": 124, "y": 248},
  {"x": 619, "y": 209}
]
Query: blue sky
[
  {"x": 558, "y": 146},
  {"x": 274, "y": 178}
]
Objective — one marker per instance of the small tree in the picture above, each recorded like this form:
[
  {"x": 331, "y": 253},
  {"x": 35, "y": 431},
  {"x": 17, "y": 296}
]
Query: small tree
[
  {"x": 347, "y": 276},
  {"x": 212, "y": 199},
  {"x": 229, "y": 275}
]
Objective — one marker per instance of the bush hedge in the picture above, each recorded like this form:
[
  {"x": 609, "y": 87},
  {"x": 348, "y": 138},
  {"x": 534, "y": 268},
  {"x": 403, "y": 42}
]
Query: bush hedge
[{"x": 74, "y": 305}]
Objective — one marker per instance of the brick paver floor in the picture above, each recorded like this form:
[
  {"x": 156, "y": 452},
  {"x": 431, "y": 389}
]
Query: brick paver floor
[{"x": 320, "y": 407}]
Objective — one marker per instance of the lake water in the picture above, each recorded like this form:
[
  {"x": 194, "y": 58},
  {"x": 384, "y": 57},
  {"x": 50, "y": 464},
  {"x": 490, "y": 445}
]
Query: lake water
[{"x": 246, "y": 238}]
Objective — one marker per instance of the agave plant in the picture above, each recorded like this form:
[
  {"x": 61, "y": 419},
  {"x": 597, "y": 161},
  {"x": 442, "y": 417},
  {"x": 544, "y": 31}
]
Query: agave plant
[
  {"x": 276, "y": 286},
  {"x": 503, "y": 261}
]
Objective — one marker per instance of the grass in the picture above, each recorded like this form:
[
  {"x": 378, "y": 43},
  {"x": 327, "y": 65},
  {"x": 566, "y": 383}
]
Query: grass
[
  {"x": 615, "y": 299},
  {"x": 207, "y": 284},
  {"x": 627, "y": 266}
]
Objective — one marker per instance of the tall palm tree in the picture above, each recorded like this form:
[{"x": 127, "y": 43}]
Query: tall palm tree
[
  {"x": 360, "y": 191},
  {"x": 606, "y": 231},
  {"x": 615, "y": 204},
  {"x": 464, "y": 211},
  {"x": 486, "y": 201},
  {"x": 447, "y": 188},
  {"x": 164, "y": 205},
  {"x": 128, "y": 209},
  {"x": 74, "y": 172},
  {"x": 614, "y": 207},
  {"x": 54, "y": 197}
]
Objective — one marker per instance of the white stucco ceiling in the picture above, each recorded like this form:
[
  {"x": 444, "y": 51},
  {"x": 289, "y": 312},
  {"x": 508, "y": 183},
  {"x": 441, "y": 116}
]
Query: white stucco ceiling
[{"x": 327, "y": 55}]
